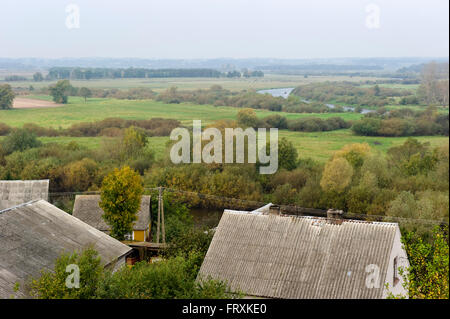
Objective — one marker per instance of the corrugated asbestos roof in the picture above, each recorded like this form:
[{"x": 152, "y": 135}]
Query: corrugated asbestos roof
[
  {"x": 87, "y": 209},
  {"x": 298, "y": 257},
  {"x": 13, "y": 193},
  {"x": 33, "y": 235}
]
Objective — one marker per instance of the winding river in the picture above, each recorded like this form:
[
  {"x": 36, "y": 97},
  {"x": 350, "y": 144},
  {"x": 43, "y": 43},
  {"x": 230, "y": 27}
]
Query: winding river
[{"x": 285, "y": 92}]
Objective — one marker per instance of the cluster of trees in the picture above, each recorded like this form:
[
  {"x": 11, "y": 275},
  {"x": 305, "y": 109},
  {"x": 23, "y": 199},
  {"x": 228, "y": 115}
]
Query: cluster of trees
[
  {"x": 248, "y": 118},
  {"x": 63, "y": 89},
  {"x": 129, "y": 94},
  {"x": 218, "y": 96},
  {"x": 410, "y": 182},
  {"x": 172, "y": 278},
  {"x": 58, "y": 73},
  {"x": 6, "y": 97},
  {"x": 349, "y": 93},
  {"x": 403, "y": 122},
  {"x": 71, "y": 167},
  {"x": 15, "y": 78},
  {"x": 111, "y": 127},
  {"x": 434, "y": 89}
]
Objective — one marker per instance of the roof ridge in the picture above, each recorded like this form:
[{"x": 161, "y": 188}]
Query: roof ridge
[
  {"x": 21, "y": 205},
  {"x": 356, "y": 221}
]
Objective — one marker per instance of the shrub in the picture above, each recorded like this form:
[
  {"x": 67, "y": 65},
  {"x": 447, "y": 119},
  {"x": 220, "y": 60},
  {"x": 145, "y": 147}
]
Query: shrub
[{"x": 20, "y": 140}]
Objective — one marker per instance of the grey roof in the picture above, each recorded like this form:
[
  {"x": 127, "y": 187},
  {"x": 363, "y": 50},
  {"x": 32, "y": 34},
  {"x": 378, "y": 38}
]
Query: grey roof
[
  {"x": 87, "y": 209},
  {"x": 34, "y": 234},
  {"x": 13, "y": 193},
  {"x": 298, "y": 257}
]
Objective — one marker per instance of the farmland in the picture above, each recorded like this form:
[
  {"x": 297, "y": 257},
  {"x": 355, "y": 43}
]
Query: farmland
[
  {"x": 97, "y": 109},
  {"x": 317, "y": 145},
  {"x": 160, "y": 84}
]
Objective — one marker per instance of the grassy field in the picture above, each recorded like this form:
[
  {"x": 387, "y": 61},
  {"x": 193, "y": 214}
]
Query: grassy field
[
  {"x": 319, "y": 145},
  {"x": 269, "y": 81},
  {"x": 97, "y": 109}
]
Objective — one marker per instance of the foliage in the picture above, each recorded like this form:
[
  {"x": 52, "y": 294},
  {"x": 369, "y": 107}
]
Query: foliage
[
  {"x": 60, "y": 91},
  {"x": 20, "y": 140},
  {"x": 121, "y": 194},
  {"x": 85, "y": 92},
  {"x": 355, "y": 153},
  {"x": 428, "y": 273},
  {"x": 52, "y": 284},
  {"x": 6, "y": 97},
  {"x": 247, "y": 118},
  {"x": 287, "y": 155},
  {"x": 174, "y": 278},
  {"x": 337, "y": 175},
  {"x": 189, "y": 240}
]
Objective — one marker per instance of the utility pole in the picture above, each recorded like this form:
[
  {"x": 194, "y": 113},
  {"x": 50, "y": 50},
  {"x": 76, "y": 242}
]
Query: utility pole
[{"x": 160, "y": 217}]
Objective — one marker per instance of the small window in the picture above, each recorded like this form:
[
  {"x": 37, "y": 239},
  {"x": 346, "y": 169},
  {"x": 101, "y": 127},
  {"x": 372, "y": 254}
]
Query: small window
[
  {"x": 396, "y": 278},
  {"x": 128, "y": 236}
]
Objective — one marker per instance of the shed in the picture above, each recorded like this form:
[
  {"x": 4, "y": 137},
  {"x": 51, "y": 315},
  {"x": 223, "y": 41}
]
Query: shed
[
  {"x": 87, "y": 209},
  {"x": 271, "y": 255},
  {"x": 34, "y": 234}
]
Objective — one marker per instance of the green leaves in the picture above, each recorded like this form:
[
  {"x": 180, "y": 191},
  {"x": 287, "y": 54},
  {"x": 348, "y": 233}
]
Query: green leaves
[
  {"x": 6, "y": 97},
  {"x": 121, "y": 194}
]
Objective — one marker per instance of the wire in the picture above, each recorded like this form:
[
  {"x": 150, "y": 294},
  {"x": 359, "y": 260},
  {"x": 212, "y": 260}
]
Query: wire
[{"x": 237, "y": 202}]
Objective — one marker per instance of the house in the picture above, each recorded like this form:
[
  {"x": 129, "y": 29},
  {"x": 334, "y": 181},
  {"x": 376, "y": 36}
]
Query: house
[
  {"x": 271, "y": 255},
  {"x": 13, "y": 193},
  {"x": 87, "y": 209},
  {"x": 34, "y": 234}
]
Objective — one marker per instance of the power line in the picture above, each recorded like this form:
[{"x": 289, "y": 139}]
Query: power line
[{"x": 297, "y": 210}]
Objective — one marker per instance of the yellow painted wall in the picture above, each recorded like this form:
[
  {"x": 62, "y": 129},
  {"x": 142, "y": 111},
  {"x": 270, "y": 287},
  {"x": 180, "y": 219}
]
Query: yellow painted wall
[{"x": 139, "y": 235}]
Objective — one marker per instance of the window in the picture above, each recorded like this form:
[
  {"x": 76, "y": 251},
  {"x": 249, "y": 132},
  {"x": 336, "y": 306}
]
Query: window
[
  {"x": 396, "y": 278},
  {"x": 128, "y": 236}
]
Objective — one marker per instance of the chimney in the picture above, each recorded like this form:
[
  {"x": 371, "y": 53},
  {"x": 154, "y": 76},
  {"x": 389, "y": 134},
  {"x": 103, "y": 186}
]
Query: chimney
[
  {"x": 335, "y": 216},
  {"x": 274, "y": 210}
]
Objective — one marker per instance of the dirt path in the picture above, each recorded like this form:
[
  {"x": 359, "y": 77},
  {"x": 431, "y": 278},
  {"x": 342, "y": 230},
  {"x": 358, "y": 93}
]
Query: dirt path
[{"x": 24, "y": 103}]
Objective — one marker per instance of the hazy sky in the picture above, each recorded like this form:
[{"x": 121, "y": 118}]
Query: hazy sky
[{"x": 224, "y": 28}]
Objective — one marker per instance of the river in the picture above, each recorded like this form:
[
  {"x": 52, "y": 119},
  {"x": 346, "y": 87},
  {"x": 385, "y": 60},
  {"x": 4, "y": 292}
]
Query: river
[{"x": 285, "y": 92}]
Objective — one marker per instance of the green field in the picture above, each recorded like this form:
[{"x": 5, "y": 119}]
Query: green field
[
  {"x": 317, "y": 145},
  {"x": 269, "y": 81},
  {"x": 97, "y": 109}
]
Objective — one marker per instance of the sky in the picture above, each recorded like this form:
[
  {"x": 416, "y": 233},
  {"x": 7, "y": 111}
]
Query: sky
[{"x": 189, "y": 29}]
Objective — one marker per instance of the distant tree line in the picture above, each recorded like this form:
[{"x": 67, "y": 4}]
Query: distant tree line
[
  {"x": 58, "y": 73},
  {"x": 15, "y": 78}
]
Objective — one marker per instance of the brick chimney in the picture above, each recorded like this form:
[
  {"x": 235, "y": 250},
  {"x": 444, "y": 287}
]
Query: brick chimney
[
  {"x": 274, "y": 210},
  {"x": 335, "y": 216}
]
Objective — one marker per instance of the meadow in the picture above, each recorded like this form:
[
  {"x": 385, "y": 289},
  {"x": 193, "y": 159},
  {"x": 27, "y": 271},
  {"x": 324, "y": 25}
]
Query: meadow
[
  {"x": 97, "y": 109},
  {"x": 317, "y": 145},
  {"x": 269, "y": 81}
]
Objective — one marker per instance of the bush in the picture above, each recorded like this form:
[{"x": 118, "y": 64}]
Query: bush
[
  {"x": 4, "y": 129},
  {"x": 20, "y": 140}
]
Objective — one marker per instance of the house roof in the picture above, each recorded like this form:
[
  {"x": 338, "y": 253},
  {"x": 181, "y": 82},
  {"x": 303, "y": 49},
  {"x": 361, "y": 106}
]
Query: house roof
[
  {"x": 34, "y": 234},
  {"x": 87, "y": 209},
  {"x": 298, "y": 257},
  {"x": 13, "y": 193}
]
